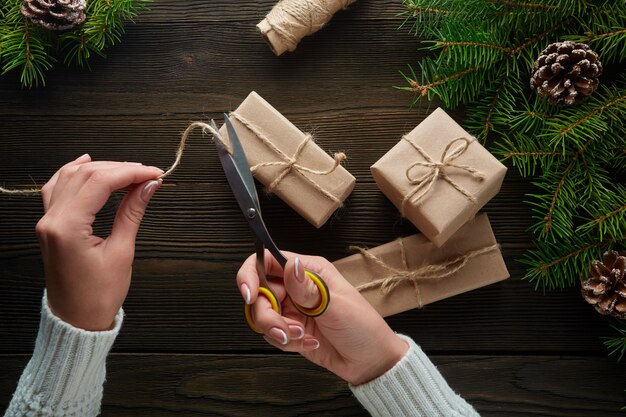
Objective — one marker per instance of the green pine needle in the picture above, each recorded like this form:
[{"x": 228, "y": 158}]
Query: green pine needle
[
  {"x": 481, "y": 53},
  {"x": 31, "y": 50}
]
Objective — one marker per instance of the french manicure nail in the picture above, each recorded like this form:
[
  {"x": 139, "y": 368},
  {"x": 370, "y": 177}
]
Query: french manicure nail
[
  {"x": 296, "y": 332},
  {"x": 245, "y": 293},
  {"x": 299, "y": 274},
  {"x": 148, "y": 190},
  {"x": 279, "y": 335},
  {"x": 82, "y": 157},
  {"x": 311, "y": 344}
]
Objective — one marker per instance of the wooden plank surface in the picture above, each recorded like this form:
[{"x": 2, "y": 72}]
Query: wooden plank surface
[
  {"x": 264, "y": 386},
  {"x": 184, "y": 348}
]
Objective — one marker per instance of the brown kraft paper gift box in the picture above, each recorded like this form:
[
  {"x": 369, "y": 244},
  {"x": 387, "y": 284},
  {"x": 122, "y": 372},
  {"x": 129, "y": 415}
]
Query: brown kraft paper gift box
[
  {"x": 270, "y": 140},
  {"x": 443, "y": 204},
  {"x": 472, "y": 256}
]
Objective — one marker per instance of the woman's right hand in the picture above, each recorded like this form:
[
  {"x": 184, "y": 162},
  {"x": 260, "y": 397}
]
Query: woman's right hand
[{"x": 349, "y": 339}]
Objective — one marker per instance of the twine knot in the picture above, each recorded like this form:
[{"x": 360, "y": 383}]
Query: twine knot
[
  {"x": 437, "y": 170},
  {"x": 290, "y": 163},
  {"x": 425, "y": 273}
]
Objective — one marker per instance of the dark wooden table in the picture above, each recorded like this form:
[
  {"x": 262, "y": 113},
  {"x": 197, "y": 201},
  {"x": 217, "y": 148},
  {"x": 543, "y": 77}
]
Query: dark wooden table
[{"x": 184, "y": 349}]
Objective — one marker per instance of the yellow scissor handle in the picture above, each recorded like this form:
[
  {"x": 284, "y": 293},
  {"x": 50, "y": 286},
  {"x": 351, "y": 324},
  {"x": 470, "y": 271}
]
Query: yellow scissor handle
[
  {"x": 267, "y": 293},
  {"x": 310, "y": 312},
  {"x": 324, "y": 293}
]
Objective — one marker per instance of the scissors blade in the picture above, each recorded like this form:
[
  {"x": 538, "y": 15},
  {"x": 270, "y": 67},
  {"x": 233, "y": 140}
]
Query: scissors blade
[
  {"x": 248, "y": 203},
  {"x": 240, "y": 159}
]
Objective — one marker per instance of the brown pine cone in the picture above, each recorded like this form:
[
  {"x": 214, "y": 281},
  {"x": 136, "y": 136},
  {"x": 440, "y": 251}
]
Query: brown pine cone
[
  {"x": 55, "y": 14},
  {"x": 605, "y": 289},
  {"x": 566, "y": 72}
]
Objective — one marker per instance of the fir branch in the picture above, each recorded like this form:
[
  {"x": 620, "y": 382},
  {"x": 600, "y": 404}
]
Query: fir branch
[
  {"x": 617, "y": 344},
  {"x": 554, "y": 266},
  {"x": 608, "y": 214},
  {"x": 31, "y": 50}
]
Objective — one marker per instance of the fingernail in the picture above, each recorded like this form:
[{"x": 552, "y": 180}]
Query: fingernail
[
  {"x": 299, "y": 273},
  {"x": 296, "y": 332},
  {"x": 245, "y": 293},
  {"x": 311, "y": 344},
  {"x": 148, "y": 190},
  {"x": 278, "y": 335},
  {"x": 82, "y": 157}
]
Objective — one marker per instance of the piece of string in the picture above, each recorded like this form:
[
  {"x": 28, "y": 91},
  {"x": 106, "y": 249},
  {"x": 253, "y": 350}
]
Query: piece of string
[
  {"x": 424, "y": 273},
  {"x": 296, "y": 16},
  {"x": 424, "y": 184},
  {"x": 290, "y": 163},
  {"x": 206, "y": 128}
]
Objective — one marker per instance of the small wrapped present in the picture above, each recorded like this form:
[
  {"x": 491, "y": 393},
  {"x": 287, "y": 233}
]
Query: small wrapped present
[
  {"x": 438, "y": 176},
  {"x": 291, "y": 20},
  {"x": 288, "y": 162},
  {"x": 411, "y": 272}
]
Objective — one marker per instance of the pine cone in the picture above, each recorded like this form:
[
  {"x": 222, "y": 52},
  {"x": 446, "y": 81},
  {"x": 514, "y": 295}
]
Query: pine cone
[
  {"x": 566, "y": 72},
  {"x": 606, "y": 288},
  {"x": 55, "y": 14}
]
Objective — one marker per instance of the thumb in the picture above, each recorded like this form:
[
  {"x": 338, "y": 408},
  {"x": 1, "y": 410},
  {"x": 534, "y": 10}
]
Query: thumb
[
  {"x": 299, "y": 286},
  {"x": 130, "y": 214}
]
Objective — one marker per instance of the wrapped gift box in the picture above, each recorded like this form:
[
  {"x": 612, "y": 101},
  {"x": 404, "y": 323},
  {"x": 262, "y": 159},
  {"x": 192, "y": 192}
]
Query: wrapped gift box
[
  {"x": 438, "y": 176},
  {"x": 411, "y": 272},
  {"x": 289, "y": 162}
]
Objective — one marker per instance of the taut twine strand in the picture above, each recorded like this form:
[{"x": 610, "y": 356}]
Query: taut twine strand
[
  {"x": 206, "y": 128},
  {"x": 309, "y": 15},
  {"x": 424, "y": 273},
  {"x": 290, "y": 163},
  {"x": 424, "y": 184}
]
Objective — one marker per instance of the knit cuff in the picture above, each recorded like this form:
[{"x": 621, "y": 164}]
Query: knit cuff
[
  {"x": 413, "y": 387},
  {"x": 67, "y": 370}
]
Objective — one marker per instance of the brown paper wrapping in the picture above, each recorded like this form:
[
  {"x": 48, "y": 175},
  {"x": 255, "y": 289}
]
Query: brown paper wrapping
[
  {"x": 479, "y": 271},
  {"x": 296, "y": 191},
  {"x": 443, "y": 210},
  {"x": 291, "y": 20}
]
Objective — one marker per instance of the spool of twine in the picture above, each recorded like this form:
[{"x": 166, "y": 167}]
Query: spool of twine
[{"x": 291, "y": 20}]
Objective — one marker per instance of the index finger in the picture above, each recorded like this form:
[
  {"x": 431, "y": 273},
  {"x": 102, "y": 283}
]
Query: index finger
[
  {"x": 248, "y": 276},
  {"x": 103, "y": 181}
]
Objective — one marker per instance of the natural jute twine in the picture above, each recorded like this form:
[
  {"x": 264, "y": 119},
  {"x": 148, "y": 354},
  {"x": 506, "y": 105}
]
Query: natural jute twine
[
  {"x": 437, "y": 170},
  {"x": 290, "y": 163},
  {"x": 301, "y": 16},
  {"x": 206, "y": 128},
  {"x": 415, "y": 276}
]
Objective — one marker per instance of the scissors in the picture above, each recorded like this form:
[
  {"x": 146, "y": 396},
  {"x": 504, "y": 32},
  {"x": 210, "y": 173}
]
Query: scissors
[{"x": 241, "y": 182}]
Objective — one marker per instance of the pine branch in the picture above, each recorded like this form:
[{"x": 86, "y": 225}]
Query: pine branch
[
  {"x": 617, "y": 344},
  {"x": 554, "y": 266},
  {"x": 608, "y": 214},
  {"x": 31, "y": 50}
]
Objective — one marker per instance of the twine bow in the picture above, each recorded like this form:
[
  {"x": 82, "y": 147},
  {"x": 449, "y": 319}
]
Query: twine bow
[
  {"x": 415, "y": 276},
  {"x": 424, "y": 184},
  {"x": 290, "y": 163}
]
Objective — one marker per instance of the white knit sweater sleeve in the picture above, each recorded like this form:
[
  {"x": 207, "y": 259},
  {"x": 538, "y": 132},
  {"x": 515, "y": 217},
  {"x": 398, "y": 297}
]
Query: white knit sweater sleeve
[
  {"x": 412, "y": 388},
  {"x": 66, "y": 372}
]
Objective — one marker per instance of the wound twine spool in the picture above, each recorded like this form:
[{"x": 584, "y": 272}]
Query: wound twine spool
[
  {"x": 291, "y": 20},
  {"x": 415, "y": 276},
  {"x": 289, "y": 163},
  {"x": 206, "y": 128},
  {"x": 424, "y": 184}
]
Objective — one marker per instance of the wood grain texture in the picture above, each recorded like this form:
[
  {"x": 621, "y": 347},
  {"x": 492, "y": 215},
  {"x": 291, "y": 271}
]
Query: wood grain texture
[
  {"x": 185, "y": 349},
  {"x": 289, "y": 386}
]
